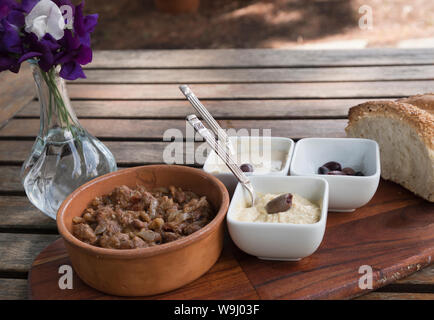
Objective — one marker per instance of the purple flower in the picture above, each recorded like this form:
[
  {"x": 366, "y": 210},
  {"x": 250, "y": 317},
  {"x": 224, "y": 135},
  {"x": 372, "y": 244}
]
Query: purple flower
[
  {"x": 27, "y": 5},
  {"x": 45, "y": 49},
  {"x": 74, "y": 50},
  {"x": 16, "y": 18},
  {"x": 71, "y": 71},
  {"x": 70, "y": 52},
  {"x": 84, "y": 25},
  {"x": 6, "y": 6},
  {"x": 11, "y": 12},
  {"x": 10, "y": 41},
  {"x": 73, "y": 55}
]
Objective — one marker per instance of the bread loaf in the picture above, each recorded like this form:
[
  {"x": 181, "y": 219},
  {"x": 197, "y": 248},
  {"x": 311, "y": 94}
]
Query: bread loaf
[
  {"x": 405, "y": 134},
  {"x": 422, "y": 101}
]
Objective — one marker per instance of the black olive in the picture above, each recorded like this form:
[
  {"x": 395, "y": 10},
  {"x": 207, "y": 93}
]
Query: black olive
[
  {"x": 349, "y": 171},
  {"x": 246, "y": 167},
  {"x": 359, "y": 173},
  {"x": 323, "y": 170},
  {"x": 279, "y": 204},
  {"x": 333, "y": 166}
]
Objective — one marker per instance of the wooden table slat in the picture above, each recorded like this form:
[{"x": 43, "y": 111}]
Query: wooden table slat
[
  {"x": 269, "y": 75},
  {"x": 312, "y": 90},
  {"x": 13, "y": 289},
  {"x": 220, "y": 109},
  {"x": 17, "y": 251},
  {"x": 125, "y": 152},
  {"x": 155, "y": 129},
  {"x": 17, "y": 213},
  {"x": 234, "y": 58},
  {"x": 16, "y": 90},
  {"x": 10, "y": 181}
]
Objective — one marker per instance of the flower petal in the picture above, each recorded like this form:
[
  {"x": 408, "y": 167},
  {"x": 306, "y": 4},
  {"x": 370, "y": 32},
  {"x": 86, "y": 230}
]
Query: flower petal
[
  {"x": 71, "y": 71},
  {"x": 79, "y": 19},
  {"x": 29, "y": 55},
  {"x": 16, "y": 18},
  {"x": 50, "y": 42},
  {"x": 46, "y": 59},
  {"x": 90, "y": 22},
  {"x": 69, "y": 41},
  {"x": 11, "y": 38},
  {"x": 84, "y": 25},
  {"x": 6, "y": 6},
  {"x": 56, "y": 23},
  {"x": 84, "y": 55},
  {"x": 28, "y": 5},
  {"x": 64, "y": 57},
  {"x": 45, "y": 17}
]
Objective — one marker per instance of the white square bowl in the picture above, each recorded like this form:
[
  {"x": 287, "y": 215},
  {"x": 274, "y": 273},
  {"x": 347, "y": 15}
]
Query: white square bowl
[
  {"x": 285, "y": 145},
  {"x": 279, "y": 241},
  {"x": 347, "y": 193}
]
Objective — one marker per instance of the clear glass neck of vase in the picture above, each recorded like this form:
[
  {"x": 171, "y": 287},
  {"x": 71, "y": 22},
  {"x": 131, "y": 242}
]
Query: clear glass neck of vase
[{"x": 57, "y": 116}]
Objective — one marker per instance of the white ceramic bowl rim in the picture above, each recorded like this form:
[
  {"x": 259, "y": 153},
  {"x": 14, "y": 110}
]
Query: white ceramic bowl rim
[
  {"x": 377, "y": 163},
  {"x": 285, "y": 164},
  {"x": 285, "y": 225}
]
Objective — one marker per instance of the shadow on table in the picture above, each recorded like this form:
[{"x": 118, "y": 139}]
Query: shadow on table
[{"x": 135, "y": 24}]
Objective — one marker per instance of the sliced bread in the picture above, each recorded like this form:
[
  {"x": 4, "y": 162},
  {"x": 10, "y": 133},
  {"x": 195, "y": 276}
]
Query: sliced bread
[
  {"x": 405, "y": 134},
  {"x": 422, "y": 101}
]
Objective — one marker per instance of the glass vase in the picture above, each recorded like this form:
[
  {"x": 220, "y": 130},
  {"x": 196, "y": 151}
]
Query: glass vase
[{"x": 64, "y": 155}]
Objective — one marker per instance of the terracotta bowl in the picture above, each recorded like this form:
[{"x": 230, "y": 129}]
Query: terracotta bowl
[{"x": 146, "y": 271}]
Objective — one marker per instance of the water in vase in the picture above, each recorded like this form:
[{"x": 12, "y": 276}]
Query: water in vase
[{"x": 62, "y": 163}]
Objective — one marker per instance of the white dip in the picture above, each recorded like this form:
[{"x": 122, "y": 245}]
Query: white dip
[
  {"x": 302, "y": 211},
  {"x": 260, "y": 166}
]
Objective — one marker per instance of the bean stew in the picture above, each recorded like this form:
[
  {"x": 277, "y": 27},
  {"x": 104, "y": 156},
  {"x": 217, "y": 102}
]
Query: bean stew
[{"x": 130, "y": 218}]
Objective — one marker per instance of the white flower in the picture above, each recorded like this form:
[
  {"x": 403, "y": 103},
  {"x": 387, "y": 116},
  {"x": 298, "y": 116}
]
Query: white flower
[{"x": 44, "y": 18}]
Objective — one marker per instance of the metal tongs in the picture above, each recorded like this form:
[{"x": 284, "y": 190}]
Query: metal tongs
[
  {"x": 207, "y": 117},
  {"x": 223, "y": 153}
]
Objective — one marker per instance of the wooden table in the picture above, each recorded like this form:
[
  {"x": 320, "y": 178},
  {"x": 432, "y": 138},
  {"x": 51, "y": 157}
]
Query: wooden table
[{"x": 131, "y": 97}]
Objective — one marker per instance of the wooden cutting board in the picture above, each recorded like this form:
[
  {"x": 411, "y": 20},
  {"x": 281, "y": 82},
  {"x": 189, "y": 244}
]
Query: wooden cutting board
[{"x": 393, "y": 234}]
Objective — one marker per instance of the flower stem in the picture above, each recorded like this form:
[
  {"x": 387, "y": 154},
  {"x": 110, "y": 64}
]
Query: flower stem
[{"x": 56, "y": 100}]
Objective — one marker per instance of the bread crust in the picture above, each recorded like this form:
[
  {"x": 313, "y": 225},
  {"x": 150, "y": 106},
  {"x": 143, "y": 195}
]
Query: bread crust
[
  {"x": 422, "y": 121},
  {"x": 423, "y": 101}
]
